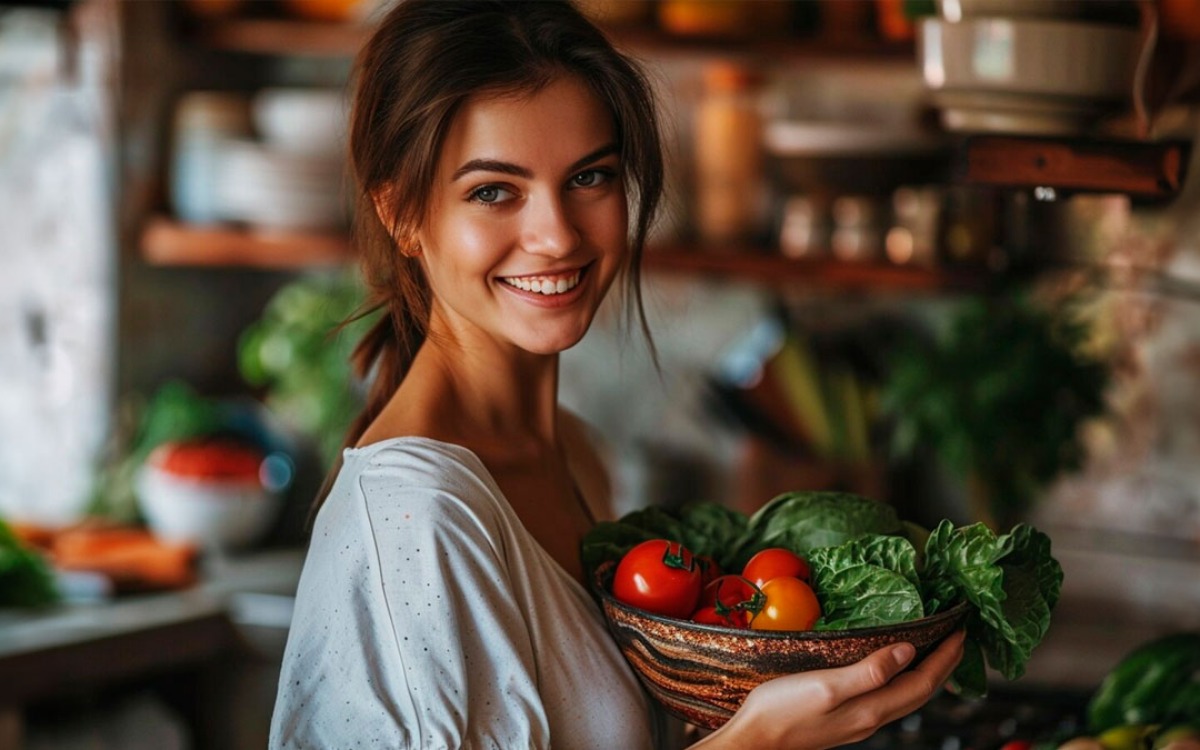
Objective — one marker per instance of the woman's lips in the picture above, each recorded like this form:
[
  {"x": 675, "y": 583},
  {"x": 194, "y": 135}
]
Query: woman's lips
[{"x": 548, "y": 290}]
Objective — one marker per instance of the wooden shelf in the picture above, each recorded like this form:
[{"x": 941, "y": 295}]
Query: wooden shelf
[
  {"x": 758, "y": 266},
  {"x": 1142, "y": 170},
  {"x": 166, "y": 242},
  {"x": 642, "y": 40}
]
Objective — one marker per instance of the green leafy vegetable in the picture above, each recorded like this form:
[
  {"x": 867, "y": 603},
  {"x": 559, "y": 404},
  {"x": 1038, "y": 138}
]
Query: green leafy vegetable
[
  {"x": 868, "y": 572},
  {"x": 25, "y": 578},
  {"x": 300, "y": 355},
  {"x": 1011, "y": 581},
  {"x": 805, "y": 521},
  {"x": 866, "y": 582},
  {"x": 1156, "y": 683},
  {"x": 999, "y": 397}
]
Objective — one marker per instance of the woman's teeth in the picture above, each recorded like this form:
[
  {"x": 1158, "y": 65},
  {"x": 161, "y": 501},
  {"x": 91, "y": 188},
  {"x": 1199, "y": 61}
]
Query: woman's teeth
[{"x": 544, "y": 284}]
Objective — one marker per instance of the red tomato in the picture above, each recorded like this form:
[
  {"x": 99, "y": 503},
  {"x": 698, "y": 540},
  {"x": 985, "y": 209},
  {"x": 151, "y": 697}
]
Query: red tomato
[
  {"x": 735, "y": 618},
  {"x": 729, "y": 593},
  {"x": 790, "y": 605},
  {"x": 658, "y": 576},
  {"x": 775, "y": 562}
]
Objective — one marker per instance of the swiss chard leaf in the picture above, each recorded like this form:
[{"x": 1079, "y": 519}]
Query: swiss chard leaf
[{"x": 868, "y": 581}]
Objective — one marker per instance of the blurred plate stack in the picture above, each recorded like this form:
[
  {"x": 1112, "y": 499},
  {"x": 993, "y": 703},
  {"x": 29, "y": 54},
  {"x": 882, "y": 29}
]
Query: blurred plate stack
[
  {"x": 273, "y": 160},
  {"x": 1028, "y": 67},
  {"x": 276, "y": 189}
]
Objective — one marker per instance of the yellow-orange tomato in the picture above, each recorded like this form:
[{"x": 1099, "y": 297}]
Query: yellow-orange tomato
[{"x": 791, "y": 605}]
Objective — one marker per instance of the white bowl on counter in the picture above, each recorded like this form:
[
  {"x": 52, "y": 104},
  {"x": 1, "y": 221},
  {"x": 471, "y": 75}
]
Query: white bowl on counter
[
  {"x": 210, "y": 512},
  {"x": 1026, "y": 75}
]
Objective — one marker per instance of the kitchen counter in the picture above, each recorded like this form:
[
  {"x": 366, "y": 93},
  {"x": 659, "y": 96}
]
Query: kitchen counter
[{"x": 75, "y": 646}]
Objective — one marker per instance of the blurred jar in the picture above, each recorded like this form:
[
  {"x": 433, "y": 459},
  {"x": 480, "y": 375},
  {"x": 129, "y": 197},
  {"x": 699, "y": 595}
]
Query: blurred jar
[
  {"x": 804, "y": 230},
  {"x": 857, "y": 229},
  {"x": 205, "y": 122},
  {"x": 731, "y": 189},
  {"x": 912, "y": 238}
]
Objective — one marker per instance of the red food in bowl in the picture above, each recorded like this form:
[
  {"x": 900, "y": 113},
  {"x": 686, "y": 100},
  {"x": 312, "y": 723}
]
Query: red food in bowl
[{"x": 210, "y": 459}]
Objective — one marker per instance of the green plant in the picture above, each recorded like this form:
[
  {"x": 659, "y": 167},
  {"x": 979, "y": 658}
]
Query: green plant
[
  {"x": 299, "y": 354},
  {"x": 1000, "y": 397}
]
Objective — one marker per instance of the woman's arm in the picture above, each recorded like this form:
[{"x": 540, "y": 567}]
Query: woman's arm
[{"x": 826, "y": 708}]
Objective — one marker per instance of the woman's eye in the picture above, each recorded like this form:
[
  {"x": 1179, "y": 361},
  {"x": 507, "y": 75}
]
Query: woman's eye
[
  {"x": 590, "y": 178},
  {"x": 489, "y": 194}
]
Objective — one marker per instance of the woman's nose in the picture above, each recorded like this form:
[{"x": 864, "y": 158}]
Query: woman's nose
[{"x": 549, "y": 229}]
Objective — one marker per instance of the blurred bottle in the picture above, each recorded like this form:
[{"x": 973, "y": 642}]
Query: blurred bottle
[
  {"x": 968, "y": 227},
  {"x": 731, "y": 190},
  {"x": 333, "y": 11},
  {"x": 725, "y": 19}
]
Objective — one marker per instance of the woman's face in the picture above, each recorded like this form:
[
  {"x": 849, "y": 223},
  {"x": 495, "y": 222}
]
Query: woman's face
[{"x": 527, "y": 223}]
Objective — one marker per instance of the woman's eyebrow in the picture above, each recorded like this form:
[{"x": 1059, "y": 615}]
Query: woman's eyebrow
[{"x": 516, "y": 170}]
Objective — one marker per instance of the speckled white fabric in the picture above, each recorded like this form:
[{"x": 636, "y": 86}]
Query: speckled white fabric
[{"x": 428, "y": 617}]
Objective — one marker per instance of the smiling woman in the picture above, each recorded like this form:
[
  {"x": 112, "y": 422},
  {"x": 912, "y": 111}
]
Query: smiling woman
[{"x": 509, "y": 167}]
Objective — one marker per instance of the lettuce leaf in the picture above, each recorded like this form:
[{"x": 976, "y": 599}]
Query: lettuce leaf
[
  {"x": 868, "y": 581},
  {"x": 805, "y": 521},
  {"x": 704, "y": 528},
  {"x": 1011, "y": 581}
]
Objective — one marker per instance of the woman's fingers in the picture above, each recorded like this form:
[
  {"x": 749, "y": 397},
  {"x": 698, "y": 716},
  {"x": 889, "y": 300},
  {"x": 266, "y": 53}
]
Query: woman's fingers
[
  {"x": 870, "y": 674},
  {"x": 911, "y": 690}
]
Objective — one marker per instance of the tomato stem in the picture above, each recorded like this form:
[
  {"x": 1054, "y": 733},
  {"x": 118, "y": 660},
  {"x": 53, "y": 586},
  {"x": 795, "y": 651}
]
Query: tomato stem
[{"x": 680, "y": 560}]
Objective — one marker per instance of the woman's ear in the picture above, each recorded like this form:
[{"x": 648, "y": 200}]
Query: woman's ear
[{"x": 405, "y": 239}]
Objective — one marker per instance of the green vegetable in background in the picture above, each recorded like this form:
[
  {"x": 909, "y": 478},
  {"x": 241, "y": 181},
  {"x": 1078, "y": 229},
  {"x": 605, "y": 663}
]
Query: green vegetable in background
[
  {"x": 300, "y": 355},
  {"x": 1157, "y": 683},
  {"x": 25, "y": 578},
  {"x": 999, "y": 398}
]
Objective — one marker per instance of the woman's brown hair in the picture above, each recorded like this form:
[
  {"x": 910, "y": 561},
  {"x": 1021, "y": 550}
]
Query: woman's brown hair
[{"x": 424, "y": 60}]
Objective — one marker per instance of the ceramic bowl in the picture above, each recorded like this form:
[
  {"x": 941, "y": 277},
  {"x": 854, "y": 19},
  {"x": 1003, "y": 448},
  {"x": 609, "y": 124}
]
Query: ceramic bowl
[
  {"x": 212, "y": 513},
  {"x": 1026, "y": 75},
  {"x": 702, "y": 673}
]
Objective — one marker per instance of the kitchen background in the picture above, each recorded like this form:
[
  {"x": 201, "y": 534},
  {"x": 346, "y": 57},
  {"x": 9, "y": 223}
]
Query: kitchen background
[{"x": 942, "y": 254}]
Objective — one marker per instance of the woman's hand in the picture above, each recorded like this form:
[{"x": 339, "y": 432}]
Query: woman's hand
[{"x": 831, "y": 707}]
